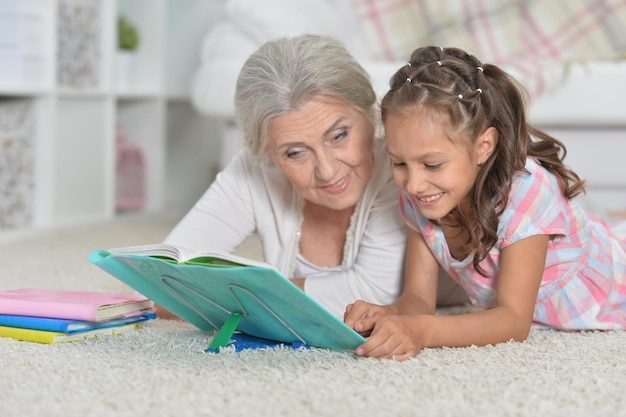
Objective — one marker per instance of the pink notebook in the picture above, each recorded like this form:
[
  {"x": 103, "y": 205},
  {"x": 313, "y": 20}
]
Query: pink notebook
[{"x": 78, "y": 305}]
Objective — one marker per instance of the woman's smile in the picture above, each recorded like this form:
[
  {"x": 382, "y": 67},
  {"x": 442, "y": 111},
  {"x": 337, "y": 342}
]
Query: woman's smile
[
  {"x": 325, "y": 150},
  {"x": 338, "y": 187}
]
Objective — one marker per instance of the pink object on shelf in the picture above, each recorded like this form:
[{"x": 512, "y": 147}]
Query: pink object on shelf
[{"x": 130, "y": 192}]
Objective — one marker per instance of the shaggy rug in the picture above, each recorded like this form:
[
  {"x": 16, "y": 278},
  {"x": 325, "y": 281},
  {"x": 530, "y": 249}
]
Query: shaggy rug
[{"x": 163, "y": 370}]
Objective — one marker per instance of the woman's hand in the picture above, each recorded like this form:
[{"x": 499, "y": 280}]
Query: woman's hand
[
  {"x": 362, "y": 316},
  {"x": 163, "y": 313},
  {"x": 298, "y": 282}
]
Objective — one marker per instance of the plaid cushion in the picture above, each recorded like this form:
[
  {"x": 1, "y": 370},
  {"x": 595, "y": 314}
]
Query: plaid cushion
[{"x": 523, "y": 36}]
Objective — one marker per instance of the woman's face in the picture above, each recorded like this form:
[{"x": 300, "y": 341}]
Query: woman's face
[{"x": 325, "y": 150}]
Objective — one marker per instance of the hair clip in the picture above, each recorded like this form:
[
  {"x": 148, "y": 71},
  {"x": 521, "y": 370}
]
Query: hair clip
[
  {"x": 480, "y": 69},
  {"x": 441, "y": 47},
  {"x": 479, "y": 90},
  {"x": 408, "y": 80},
  {"x": 408, "y": 64},
  {"x": 460, "y": 96},
  {"x": 439, "y": 63}
]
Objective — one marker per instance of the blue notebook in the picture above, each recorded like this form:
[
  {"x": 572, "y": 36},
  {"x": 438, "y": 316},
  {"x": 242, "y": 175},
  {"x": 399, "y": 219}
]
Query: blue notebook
[
  {"x": 207, "y": 291},
  {"x": 67, "y": 326},
  {"x": 241, "y": 341}
]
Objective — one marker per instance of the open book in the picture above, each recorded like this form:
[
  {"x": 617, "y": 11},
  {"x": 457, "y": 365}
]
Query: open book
[
  {"x": 171, "y": 253},
  {"x": 227, "y": 293}
]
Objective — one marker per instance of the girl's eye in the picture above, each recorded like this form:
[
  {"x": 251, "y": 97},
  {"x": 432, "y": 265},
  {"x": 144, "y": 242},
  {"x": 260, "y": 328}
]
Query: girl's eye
[{"x": 398, "y": 164}]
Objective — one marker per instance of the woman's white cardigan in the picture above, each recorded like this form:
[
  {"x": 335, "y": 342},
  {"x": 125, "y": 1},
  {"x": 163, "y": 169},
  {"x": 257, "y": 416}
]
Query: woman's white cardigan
[{"x": 250, "y": 196}]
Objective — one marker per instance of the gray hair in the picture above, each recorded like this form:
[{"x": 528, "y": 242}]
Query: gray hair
[{"x": 286, "y": 73}]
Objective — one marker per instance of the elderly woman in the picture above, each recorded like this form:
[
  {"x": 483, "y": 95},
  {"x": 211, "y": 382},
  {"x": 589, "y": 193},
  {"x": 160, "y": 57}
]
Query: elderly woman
[{"x": 313, "y": 181}]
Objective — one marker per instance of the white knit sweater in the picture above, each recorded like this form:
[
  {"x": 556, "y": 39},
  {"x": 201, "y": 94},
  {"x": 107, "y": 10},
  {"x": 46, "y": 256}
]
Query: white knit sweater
[{"x": 250, "y": 196}]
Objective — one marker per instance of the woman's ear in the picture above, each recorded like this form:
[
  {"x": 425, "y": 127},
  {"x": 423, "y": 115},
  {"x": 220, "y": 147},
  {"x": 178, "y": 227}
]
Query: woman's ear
[{"x": 485, "y": 145}]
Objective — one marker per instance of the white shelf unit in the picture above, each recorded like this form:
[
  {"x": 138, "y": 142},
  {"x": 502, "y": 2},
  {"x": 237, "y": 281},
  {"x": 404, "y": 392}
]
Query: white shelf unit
[{"x": 78, "y": 104}]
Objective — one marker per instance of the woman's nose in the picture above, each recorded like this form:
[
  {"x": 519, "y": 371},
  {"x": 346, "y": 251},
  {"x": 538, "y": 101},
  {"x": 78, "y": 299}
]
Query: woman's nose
[{"x": 325, "y": 168}]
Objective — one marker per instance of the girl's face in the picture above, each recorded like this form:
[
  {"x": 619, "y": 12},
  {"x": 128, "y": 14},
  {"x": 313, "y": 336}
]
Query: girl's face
[
  {"x": 437, "y": 170},
  {"x": 325, "y": 150}
]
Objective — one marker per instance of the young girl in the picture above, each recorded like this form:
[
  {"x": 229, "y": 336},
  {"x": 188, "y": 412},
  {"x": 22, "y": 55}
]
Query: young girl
[{"x": 488, "y": 198}]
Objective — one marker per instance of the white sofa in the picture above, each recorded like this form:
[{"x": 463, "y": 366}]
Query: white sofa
[
  {"x": 586, "y": 111},
  {"x": 244, "y": 26}
]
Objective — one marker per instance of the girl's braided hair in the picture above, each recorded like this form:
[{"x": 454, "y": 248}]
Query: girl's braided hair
[{"x": 473, "y": 97}]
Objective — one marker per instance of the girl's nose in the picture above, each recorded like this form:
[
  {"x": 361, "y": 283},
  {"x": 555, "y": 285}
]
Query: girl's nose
[{"x": 415, "y": 183}]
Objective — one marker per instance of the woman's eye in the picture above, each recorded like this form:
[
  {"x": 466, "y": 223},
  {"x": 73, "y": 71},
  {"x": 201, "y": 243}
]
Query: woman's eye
[
  {"x": 432, "y": 166},
  {"x": 340, "y": 135},
  {"x": 293, "y": 153}
]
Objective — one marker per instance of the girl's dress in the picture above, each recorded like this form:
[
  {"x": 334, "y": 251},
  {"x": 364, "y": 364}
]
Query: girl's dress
[{"x": 584, "y": 283}]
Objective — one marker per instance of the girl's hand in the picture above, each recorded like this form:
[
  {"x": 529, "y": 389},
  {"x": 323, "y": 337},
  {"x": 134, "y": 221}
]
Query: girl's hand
[
  {"x": 362, "y": 316},
  {"x": 395, "y": 337}
]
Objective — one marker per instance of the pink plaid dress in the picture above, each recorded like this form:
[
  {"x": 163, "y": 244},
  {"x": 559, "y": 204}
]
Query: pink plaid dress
[{"x": 584, "y": 282}]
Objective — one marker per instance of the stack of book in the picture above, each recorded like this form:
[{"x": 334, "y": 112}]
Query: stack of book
[{"x": 56, "y": 316}]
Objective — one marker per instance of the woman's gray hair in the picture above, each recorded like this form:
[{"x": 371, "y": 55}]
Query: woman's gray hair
[{"x": 286, "y": 73}]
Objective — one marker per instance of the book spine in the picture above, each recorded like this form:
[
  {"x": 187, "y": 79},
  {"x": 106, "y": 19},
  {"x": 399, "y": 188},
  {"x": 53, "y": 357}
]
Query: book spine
[
  {"x": 29, "y": 335},
  {"x": 49, "y": 309},
  {"x": 35, "y": 323}
]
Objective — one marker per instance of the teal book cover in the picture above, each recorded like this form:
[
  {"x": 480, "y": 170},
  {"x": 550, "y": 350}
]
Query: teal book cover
[{"x": 269, "y": 305}]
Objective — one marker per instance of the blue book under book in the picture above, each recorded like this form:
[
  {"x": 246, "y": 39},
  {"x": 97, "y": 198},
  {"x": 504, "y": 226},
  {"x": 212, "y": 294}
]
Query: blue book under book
[{"x": 68, "y": 326}]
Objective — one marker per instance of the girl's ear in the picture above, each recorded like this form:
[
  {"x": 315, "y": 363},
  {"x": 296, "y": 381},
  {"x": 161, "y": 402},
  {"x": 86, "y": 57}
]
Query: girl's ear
[{"x": 485, "y": 145}]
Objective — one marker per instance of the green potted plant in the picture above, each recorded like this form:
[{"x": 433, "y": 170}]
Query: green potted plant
[
  {"x": 127, "y": 44},
  {"x": 127, "y": 35}
]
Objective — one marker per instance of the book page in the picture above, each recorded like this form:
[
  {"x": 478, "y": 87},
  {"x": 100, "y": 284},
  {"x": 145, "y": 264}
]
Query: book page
[
  {"x": 202, "y": 258},
  {"x": 157, "y": 249}
]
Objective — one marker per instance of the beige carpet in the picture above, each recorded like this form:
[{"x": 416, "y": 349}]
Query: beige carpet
[{"x": 162, "y": 370}]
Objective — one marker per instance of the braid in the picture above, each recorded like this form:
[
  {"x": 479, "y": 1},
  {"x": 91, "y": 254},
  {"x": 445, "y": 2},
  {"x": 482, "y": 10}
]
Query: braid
[{"x": 474, "y": 97}]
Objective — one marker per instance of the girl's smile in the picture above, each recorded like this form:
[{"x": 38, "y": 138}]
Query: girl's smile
[
  {"x": 428, "y": 163},
  {"x": 429, "y": 199}
]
